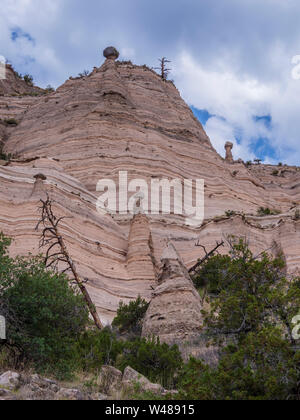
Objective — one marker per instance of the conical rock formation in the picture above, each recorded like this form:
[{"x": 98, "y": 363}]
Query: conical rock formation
[{"x": 174, "y": 314}]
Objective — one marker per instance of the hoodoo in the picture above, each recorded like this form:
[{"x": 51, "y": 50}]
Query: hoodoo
[
  {"x": 174, "y": 314},
  {"x": 228, "y": 148}
]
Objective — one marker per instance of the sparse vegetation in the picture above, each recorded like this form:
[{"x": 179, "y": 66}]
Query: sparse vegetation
[
  {"x": 18, "y": 75},
  {"x": 4, "y": 156},
  {"x": 28, "y": 79},
  {"x": 266, "y": 211},
  {"x": 11, "y": 122},
  {"x": 85, "y": 73},
  {"x": 275, "y": 172},
  {"x": 230, "y": 213},
  {"x": 297, "y": 215},
  {"x": 257, "y": 161},
  {"x": 50, "y": 89}
]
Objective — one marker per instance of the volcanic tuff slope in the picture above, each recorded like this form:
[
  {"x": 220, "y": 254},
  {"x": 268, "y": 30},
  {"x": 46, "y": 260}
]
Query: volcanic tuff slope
[{"x": 124, "y": 117}]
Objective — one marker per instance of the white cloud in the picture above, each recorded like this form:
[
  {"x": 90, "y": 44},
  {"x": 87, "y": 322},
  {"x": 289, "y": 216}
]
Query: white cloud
[
  {"x": 128, "y": 53},
  {"x": 236, "y": 99}
]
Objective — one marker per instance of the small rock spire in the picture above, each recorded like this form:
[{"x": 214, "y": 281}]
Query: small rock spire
[
  {"x": 228, "y": 148},
  {"x": 39, "y": 189}
]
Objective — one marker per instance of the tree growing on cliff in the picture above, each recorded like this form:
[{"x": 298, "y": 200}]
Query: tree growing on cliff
[
  {"x": 163, "y": 68},
  {"x": 28, "y": 79}
]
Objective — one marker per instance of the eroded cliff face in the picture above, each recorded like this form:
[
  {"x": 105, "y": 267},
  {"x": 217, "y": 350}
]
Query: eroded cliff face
[{"x": 125, "y": 118}]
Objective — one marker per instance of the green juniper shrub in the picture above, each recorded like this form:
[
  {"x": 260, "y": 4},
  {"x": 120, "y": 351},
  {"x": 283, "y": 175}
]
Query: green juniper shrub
[
  {"x": 252, "y": 313},
  {"x": 158, "y": 362},
  {"x": 28, "y": 79},
  {"x": 230, "y": 213},
  {"x": 211, "y": 273},
  {"x": 196, "y": 381},
  {"x": 244, "y": 287},
  {"x": 130, "y": 317},
  {"x": 18, "y": 75},
  {"x": 261, "y": 367},
  {"x": 265, "y": 211},
  {"x": 44, "y": 315},
  {"x": 4, "y": 156},
  {"x": 96, "y": 348}
]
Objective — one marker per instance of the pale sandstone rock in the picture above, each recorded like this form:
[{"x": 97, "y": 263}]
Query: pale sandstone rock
[
  {"x": 131, "y": 378},
  {"x": 69, "y": 394},
  {"x": 140, "y": 255},
  {"x": 228, "y": 148},
  {"x": 10, "y": 380},
  {"x": 5, "y": 394},
  {"x": 110, "y": 380}
]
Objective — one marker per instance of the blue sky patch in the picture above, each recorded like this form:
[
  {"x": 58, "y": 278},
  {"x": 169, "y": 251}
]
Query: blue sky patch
[
  {"x": 18, "y": 33},
  {"x": 202, "y": 114},
  {"x": 261, "y": 146}
]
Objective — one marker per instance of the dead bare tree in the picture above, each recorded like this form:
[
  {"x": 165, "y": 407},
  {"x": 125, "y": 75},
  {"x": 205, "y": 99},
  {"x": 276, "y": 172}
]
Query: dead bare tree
[
  {"x": 57, "y": 253},
  {"x": 207, "y": 255},
  {"x": 164, "y": 71}
]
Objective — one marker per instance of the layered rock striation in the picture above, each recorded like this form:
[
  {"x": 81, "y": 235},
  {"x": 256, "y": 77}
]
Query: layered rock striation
[{"x": 124, "y": 117}]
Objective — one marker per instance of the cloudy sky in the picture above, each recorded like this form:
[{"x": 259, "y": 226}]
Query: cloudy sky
[{"x": 236, "y": 62}]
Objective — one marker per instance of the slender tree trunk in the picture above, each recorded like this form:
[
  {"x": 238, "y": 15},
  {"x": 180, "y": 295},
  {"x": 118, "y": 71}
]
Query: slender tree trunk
[{"x": 48, "y": 216}]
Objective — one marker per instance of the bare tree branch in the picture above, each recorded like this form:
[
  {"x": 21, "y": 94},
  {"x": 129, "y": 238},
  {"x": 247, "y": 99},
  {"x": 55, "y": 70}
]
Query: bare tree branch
[
  {"x": 207, "y": 255},
  {"x": 52, "y": 238}
]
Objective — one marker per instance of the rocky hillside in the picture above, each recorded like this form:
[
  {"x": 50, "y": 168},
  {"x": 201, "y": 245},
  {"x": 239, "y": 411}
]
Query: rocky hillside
[
  {"x": 14, "y": 85},
  {"x": 124, "y": 117}
]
